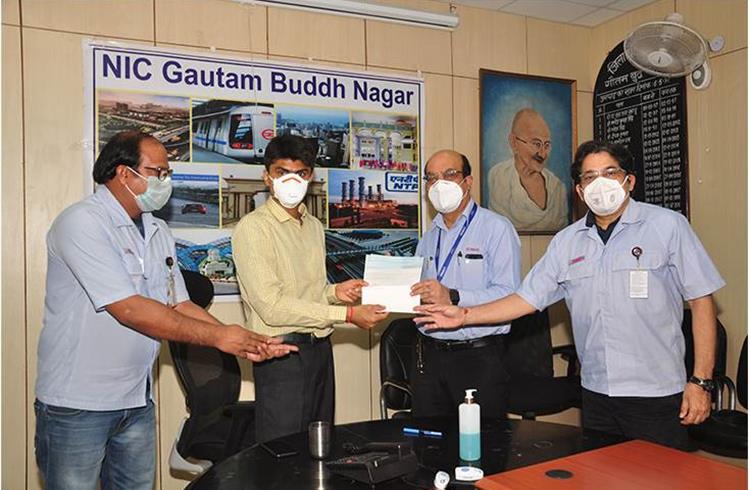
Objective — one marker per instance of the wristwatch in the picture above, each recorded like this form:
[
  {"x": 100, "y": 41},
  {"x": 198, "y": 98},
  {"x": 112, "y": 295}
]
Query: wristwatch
[
  {"x": 455, "y": 297},
  {"x": 706, "y": 384}
]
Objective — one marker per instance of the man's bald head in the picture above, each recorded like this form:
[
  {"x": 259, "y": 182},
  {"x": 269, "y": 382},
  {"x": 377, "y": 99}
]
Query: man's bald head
[
  {"x": 529, "y": 139},
  {"x": 528, "y": 119},
  {"x": 451, "y": 156}
]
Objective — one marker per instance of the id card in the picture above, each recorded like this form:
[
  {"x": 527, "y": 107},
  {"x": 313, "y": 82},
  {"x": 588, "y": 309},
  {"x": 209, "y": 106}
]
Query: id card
[{"x": 639, "y": 284}]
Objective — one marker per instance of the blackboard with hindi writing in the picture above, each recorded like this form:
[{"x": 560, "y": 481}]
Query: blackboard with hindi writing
[{"x": 648, "y": 114}]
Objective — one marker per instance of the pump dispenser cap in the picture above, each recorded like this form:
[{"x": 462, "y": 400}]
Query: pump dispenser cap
[{"x": 470, "y": 395}]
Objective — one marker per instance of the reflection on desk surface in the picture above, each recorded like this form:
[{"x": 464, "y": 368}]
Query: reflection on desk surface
[{"x": 506, "y": 444}]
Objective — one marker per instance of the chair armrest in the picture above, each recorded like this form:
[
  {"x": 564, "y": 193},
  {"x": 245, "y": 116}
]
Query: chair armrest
[
  {"x": 393, "y": 384},
  {"x": 723, "y": 382},
  {"x": 239, "y": 408},
  {"x": 568, "y": 353},
  {"x": 242, "y": 415}
]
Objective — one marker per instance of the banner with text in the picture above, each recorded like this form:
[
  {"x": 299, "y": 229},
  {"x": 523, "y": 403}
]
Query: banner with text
[{"x": 216, "y": 114}]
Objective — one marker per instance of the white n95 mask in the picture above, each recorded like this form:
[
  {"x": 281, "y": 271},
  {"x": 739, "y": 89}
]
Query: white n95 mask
[
  {"x": 445, "y": 196},
  {"x": 604, "y": 196},
  {"x": 290, "y": 190}
]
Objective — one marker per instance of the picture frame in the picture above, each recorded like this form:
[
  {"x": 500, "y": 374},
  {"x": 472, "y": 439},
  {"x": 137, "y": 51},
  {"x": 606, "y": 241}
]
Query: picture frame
[{"x": 528, "y": 136}]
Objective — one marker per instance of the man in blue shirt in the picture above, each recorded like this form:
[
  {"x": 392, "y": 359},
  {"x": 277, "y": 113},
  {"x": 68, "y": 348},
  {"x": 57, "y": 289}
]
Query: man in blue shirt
[
  {"x": 624, "y": 271},
  {"x": 113, "y": 289},
  {"x": 473, "y": 256}
]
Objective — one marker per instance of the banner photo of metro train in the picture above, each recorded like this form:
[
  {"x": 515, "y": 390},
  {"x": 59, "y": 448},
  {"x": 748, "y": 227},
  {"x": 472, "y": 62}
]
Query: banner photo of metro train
[{"x": 216, "y": 114}]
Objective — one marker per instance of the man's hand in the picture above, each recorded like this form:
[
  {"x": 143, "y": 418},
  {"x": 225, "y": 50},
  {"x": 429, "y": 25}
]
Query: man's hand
[
  {"x": 435, "y": 317},
  {"x": 238, "y": 341},
  {"x": 367, "y": 316},
  {"x": 696, "y": 405},
  {"x": 431, "y": 292},
  {"x": 350, "y": 291}
]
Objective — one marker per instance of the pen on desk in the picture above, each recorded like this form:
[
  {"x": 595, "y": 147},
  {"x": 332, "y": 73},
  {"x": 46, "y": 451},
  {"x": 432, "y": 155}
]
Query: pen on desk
[{"x": 416, "y": 432}]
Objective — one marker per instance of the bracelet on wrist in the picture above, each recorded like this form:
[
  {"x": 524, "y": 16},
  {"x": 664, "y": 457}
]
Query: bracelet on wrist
[{"x": 349, "y": 314}]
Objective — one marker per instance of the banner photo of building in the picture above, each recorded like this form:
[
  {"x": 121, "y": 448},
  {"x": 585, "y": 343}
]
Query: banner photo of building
[{"x": 216, "y": 114}]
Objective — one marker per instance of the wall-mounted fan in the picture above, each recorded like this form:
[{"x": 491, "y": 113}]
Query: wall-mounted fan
[{"x": 670, "y": 49}]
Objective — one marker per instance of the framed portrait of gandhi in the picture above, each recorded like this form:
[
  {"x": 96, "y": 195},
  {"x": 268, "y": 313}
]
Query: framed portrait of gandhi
[{"x": 528, "y": 137}]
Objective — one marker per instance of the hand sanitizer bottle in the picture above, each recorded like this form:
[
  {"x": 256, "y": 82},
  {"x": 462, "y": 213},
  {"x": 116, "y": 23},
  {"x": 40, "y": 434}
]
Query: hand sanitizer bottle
[{"x": 469, "y": 440}]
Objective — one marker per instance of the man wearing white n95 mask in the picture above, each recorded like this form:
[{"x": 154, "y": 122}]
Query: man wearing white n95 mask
[
  {"x": 279, "y": 251},
  {"x": 473, "y": 257},
  {"x": 624, "y": 271}
]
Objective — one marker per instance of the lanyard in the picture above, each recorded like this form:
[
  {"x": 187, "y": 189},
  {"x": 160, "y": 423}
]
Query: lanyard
[{"x": 442, "y": 270}]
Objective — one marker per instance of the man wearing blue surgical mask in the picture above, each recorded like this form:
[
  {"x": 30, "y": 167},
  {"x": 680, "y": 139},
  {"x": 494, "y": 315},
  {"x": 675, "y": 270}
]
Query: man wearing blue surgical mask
[
  {"x": 624, "y": 271},
  {"x": 112, "y": 291},
  {"x": 473, "y": 256}
]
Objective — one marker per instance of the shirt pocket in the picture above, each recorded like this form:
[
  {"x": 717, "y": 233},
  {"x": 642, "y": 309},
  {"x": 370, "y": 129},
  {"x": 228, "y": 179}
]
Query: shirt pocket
[
  {"x": 647, "y": 261},
  {"x": 473, "y": 268},
  {"x": 134, "y": 268}
]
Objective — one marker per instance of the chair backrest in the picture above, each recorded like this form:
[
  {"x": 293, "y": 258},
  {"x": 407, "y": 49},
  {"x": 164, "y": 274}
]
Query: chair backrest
[
  {"x": 396, "y": 357},
  {"x": 529, "y": 347},
  {"x": 742, "y": 376},
  {"x": 720, "y": 367},
  {"x": 209, "y": 377}
]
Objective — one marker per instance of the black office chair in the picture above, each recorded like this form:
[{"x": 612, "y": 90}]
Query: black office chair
[
  {"x": 218, "y": 424},
  {"x": 720, "y": 366},
  {"x": 396, "y": 356},
  {"x": 725, "y": 431},
  {"x": 534, "y": 389}
]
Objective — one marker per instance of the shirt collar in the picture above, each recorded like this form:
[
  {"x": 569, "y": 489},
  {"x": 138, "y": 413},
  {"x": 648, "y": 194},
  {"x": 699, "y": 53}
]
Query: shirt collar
[
  {"x": 440, "y": 222},
  {"x": 118, "y": 214},
  {"x": 632, "y": 214},
  {"x": 280, "y": 213}
]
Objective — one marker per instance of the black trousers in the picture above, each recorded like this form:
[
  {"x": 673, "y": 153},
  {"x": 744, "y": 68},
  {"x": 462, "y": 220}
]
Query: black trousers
[
  {"x": 440, "y": 385},
  {"x": 292, "y": 391},
  {"x": 654, "y": 419}
]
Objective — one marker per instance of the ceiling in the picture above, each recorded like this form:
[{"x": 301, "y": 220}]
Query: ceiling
[{"x": 587, "y": 13}]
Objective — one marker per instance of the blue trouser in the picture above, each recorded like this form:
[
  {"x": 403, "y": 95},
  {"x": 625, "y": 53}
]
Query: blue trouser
[{"x": 75, "y": 448}]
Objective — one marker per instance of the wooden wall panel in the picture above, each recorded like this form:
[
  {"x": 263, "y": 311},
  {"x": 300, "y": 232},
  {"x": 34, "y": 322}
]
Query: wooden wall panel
[
  {"x": 727, "y": 18},
  {"x": 559, "y": 50},
  {"x": 317, "y": 36},
  {"x": 14, "y": 380},
  {"x": 131, "y": 19},
  {"x": 490, "y": 40},
  {"x": 211, "y": 23}
]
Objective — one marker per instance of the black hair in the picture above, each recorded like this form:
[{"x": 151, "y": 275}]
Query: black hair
[
  {"x": 124, "y": 148},
  {"x": 617, "y": 151},
  {"x": 291, "y": 147}
]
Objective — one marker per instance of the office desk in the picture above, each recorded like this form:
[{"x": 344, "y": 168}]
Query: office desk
[
  {"x": 506, "y": 444},
  {"x": 625, "y": 466}
]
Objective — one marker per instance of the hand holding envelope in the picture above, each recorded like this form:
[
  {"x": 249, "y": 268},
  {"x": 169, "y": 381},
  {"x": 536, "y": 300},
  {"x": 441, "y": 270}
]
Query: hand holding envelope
[{"x": 390, "y": 280}]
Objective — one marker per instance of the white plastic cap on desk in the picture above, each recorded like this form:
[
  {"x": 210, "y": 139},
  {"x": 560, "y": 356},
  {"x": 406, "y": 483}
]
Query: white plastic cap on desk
[
  {"x": 442, "y": 479},
  {"x": 469, "y": 473}
]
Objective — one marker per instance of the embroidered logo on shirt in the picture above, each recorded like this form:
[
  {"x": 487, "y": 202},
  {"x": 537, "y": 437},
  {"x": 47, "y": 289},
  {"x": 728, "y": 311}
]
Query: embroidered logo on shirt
[
  {"x": 577, "y": 260},
  {"x": 472, "y": 249}
]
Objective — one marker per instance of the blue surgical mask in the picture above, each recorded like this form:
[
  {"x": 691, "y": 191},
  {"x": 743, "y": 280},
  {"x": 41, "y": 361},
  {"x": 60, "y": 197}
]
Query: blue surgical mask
[{"x": 157, "y": 193}]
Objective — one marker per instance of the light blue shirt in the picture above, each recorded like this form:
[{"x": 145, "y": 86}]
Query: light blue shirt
[
  {"x": 627, "y": 346},
  {"x": 95, "y": 257},
  {"x": 486, "y": 265}
]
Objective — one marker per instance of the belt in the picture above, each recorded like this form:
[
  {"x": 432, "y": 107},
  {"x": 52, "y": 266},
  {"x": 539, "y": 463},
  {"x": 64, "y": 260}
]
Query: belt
[
  {"x": 453, "y": 345},
  {"x": 303, "y": 338}
]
